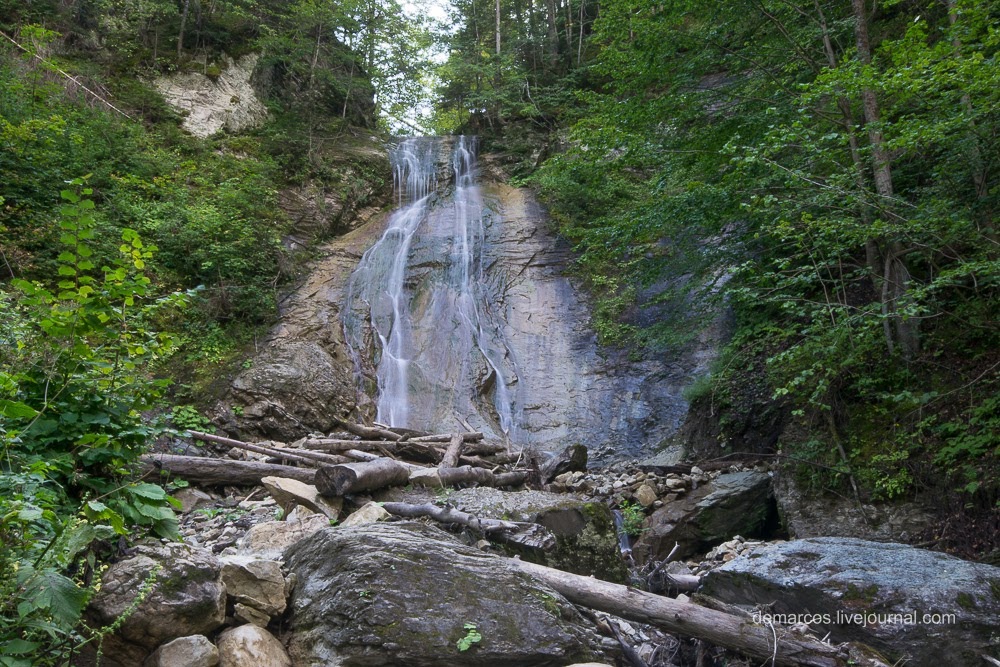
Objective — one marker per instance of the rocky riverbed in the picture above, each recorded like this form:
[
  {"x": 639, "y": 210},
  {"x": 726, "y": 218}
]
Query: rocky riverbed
[{"x": 277, "y": 575}]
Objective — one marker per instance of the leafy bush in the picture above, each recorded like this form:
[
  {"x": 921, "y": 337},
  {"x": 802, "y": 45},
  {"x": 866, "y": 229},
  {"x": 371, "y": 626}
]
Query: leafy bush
[{"x": 73, "y": 386}]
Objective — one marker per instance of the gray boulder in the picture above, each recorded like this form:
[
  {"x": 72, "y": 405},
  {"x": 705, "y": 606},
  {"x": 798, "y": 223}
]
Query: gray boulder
[
  {"x": 928, "y": 608},
  {"x": 188, "y": 598},
  {"x": 586, "y": 542},
  {"x": 739, "y": 503},
  {"x": 406, "y": 594}
]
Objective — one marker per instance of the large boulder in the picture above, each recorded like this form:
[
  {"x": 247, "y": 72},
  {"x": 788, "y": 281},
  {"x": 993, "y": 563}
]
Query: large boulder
[
  {"x": 407, "y": 594},
  {"x": 739, "y": 503},
  {"x": 187, "y": 598},
  {"x": 928, "y": 608}
]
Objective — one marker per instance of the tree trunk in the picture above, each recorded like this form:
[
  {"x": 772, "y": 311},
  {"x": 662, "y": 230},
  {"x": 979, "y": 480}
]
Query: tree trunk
[
  {"x": 684, "y": 618},
  {"x": 350, "y": 478},
  {"x": 180, "y": 32},
  {"x": 204, "y": 470},
  {"x": 553, "y": 44},
  {"x": 311, "y": 458},
  {"x": 896, "y": 277}
]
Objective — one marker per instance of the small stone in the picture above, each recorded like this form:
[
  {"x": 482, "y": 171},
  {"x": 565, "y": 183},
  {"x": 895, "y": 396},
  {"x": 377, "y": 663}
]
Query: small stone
[
  {"x": 675, "y": 484},
  {"x": 645, "y": 495},
  {"x": 191, "y": 499},
  {"x": 369, "y": 513},
  {"x": 695, "y": 470},
  {"x": 248, "y": 614},
  {"x": 192, "y": 651},
  {"x": 564, "y": 478}
]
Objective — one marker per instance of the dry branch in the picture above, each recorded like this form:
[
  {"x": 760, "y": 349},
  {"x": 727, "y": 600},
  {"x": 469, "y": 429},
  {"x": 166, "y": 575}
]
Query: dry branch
[{"x": 213, "y": 471}]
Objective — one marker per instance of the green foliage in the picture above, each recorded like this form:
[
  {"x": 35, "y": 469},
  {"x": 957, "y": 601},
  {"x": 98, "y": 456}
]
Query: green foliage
[
  {"x": 471, "y": 638},
  {"x": 633, "y": 517},
  {"x": 73, "y": 386}
]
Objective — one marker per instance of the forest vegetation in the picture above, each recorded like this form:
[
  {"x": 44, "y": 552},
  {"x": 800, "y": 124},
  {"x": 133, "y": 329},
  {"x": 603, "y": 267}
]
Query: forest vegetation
[{"x": 827, "y": 171}]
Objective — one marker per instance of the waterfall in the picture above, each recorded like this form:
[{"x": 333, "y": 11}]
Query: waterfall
[{"x": 425, "y": 299}]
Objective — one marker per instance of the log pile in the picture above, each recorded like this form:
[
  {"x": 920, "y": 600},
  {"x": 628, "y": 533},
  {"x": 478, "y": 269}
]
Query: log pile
[
  {"x": 374, "y": 458},
  {"x": 371, "y": 458}
]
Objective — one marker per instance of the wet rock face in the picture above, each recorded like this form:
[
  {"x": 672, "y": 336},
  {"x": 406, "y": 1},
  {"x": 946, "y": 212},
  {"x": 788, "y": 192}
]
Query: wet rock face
[
  {"x": 530, "y": 318},
  {"x": 930, "y": 608},
  {"x": 402, "y": 593}
]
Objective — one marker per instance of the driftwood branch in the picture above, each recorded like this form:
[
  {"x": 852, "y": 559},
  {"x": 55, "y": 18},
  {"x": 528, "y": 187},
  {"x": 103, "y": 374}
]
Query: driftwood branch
[
  {"x": 684, "y": 618},
  {"x": 349, "y": 478},
  {"x": 526, "y": 534},
  {"x": 204, "y": 470},
  {"x": 309, "y": 458}
]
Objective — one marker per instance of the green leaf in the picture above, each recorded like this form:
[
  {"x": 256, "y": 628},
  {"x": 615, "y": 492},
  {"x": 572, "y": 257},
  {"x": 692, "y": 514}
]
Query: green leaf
[
  {"x": 16, "y": 410},
  {"x": 18, "y": 647},
  {"x": 149, "y": 491},
  {"x": 59, "y": 595}
]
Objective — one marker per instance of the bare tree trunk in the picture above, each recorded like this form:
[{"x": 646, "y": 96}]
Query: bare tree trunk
[
  {"x": 553, "y": 33},
  {"x": 896, "y": 276},
  {"x": 180, "y": 33},
  {"x": 873, "y": 257}
]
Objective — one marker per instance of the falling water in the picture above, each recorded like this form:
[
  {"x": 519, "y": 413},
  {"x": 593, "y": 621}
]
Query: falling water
[{"x": 422, "y": 291}]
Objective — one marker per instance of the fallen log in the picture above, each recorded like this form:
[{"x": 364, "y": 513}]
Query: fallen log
[
  {"x": 350, "y": 478},
  {"x": 740, "y": 634},
  {"x": 370, "y": 432},
  {"x": 471, "y": 436},
  {"x": 443, "y": 477},
  {"x": 450, "y": 458},
  {"x": 204, "y": 470},
  {"x": 527, "y": 534},
  {"x": 310, "y": 458},
  {"x": 433, "y": 447}
]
